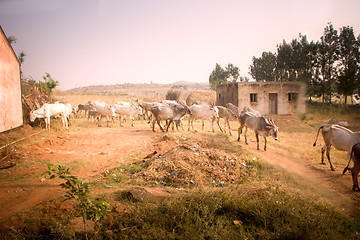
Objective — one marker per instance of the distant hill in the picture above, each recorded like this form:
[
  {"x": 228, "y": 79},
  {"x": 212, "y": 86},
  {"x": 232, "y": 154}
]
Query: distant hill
[{"x": 145, "y": 90}]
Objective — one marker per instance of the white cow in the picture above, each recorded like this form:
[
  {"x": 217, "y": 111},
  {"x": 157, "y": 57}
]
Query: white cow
[
  {"x": 339, "y": 137},
  {"x": 103, "y": 111},
  {"x": 260, "y": 126},
  {"x": 203, "y": 112},
  {"x": 69, "y": 112},
  {"x": 50, "y": 110},
  {"x": 127, "y": 110},
  {"x": 170, "y": 113}
]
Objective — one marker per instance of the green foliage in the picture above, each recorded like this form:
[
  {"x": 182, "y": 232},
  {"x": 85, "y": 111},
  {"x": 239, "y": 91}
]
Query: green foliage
[
  {"x": 49, "y": 83},
  {"x": 233, "y": 72},
  {"x": 328, "y": 67},
  {"x": 218, "y": 76},
  {"x": 263, "y": 68},
  {"x": 78, "y": 190}
]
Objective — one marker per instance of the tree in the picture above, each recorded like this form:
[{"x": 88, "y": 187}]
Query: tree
[
  {"x": 349, "y": 59},
  {"x": 284, "y": 62},
  {"x": 49, "y": 84},
  {"x": 21, "y": 58},
  {"x": 327, "y": 56},
  {"x": 218, "y": 76},
  {"x": 263, "y": 68},
  {"x": 233, "y": 72}
]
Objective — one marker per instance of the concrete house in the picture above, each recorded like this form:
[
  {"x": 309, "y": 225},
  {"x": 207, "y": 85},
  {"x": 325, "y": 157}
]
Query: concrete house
[
  {"x": 265, "y": 97},
  {"x": 10, "y": 88}
]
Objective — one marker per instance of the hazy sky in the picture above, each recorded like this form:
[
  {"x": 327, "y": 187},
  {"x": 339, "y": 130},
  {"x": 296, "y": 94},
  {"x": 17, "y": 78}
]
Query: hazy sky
[{"x": 94, "y": 42}]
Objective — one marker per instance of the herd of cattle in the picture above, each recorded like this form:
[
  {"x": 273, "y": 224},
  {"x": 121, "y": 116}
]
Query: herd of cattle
[{"x": 173, "y": 112}]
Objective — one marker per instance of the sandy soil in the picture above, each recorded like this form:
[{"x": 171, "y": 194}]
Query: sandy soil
[{"x": 91, "y": 150}]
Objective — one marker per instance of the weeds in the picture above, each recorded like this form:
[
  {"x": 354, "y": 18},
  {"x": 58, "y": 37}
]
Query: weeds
[
  {"x": 234, "y": 213},
  {"x": 89, "y": 208}
]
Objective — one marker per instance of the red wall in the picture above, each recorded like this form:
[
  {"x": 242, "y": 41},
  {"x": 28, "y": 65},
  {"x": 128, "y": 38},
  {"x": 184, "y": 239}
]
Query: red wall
[{"x": 10, "y": 91}]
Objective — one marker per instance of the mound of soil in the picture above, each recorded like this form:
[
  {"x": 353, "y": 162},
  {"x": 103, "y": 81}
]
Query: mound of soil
[{"x": 189, "y": 163}]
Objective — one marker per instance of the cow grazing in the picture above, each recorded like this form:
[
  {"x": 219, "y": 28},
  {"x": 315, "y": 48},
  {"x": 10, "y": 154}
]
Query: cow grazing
[
  {"x": 248, "y": 109},
  {"x": 339, "y": 137},
  {"x": 259, "y": 125},
  {"x": 355, "y": 156},
  {"x": 82, "y": 107},
  {"x": 173, "y": 103},
  {"x": 167, "y": 112},
  {"x": 92, "y": 115},
  {"x": 233, "y": 108},
  {"x": 203, "y": 112},
  {"x": 341, "y": 123},
  {"x": 127, "y": 110},
  {"x": 103, "y": 111},
  {"x": 50, "y": 110},
  {"x": 146, "y": 107},
  {"x": 227, "y": 115}
]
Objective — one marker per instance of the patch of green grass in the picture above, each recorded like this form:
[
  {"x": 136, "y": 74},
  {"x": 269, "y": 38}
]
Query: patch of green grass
[
  {"x": 221, "y": 141},
  {"x": 248, "y": 212}
]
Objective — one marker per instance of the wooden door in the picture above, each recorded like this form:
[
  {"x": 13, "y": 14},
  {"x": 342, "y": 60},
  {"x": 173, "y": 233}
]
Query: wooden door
[{"x": 273, "y": 103}]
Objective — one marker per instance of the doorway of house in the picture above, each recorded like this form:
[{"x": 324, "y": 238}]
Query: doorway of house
[{"x": 273, "y": 103}]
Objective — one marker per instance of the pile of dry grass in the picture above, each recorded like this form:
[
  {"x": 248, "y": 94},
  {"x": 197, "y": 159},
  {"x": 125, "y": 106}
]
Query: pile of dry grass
[{"x": 201, "y": 96}]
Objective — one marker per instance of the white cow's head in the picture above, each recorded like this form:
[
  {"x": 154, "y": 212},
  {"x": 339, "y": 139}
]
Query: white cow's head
[
  {"x": 215, "y": 111},
  {"x": 32, "y": 116},
  {"x": 272, "y": 129}
]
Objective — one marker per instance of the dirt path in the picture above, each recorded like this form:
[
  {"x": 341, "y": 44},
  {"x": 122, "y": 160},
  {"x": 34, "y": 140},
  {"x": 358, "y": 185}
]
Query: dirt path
[
  {"x": 91, "y": 150},
  {"x": 87, "y": 152},
  {"x": 332, "y": 186}
]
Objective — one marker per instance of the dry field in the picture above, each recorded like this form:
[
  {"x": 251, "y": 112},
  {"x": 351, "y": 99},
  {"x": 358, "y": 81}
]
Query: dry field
[{"x": 184, "y": 158}]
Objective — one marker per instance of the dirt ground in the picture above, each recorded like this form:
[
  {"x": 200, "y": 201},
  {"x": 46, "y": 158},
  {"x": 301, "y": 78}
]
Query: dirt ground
[{"x": 90, "y": 150}]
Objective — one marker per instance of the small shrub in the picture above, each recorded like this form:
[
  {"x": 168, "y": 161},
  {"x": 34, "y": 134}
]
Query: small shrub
[
  {"x": 173, "y": 94},
  {"x": 77, "y": 190}
]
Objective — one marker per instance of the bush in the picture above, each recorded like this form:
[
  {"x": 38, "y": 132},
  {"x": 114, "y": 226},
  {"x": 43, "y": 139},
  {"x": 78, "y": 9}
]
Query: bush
[{"x": 173, "y": 94}]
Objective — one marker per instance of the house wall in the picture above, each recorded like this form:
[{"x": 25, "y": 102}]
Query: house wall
[
  {"x": 262, "y": 92},
  {"x": 227, "y": 93},
  {"x": 10, "y": 90}
]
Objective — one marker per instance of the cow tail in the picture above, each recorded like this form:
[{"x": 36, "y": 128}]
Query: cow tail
[
  {"x": 347, "y": 166},
  {"x": 317, "y": 135}
]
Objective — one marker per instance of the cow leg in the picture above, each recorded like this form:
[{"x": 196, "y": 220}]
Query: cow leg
[
  {"x": 192, "y": 124},
  {"x": 265, "y": 143},
  {"x": 322, "y": 154},
  {"x": 159, "y": 123},
  {"x": 328, "y": 157},
  {"x": 121, "y": 121},
  {"x": 170, "y": 122},
  {"x": 240, "y": 131},
  {"x": 245, "y": 135},
  {"x": 64, "y": 120},
  {"x": 354, "y": 173},
  {"x": 153, "y": 124},
  {"x": 218, "y": 123},
  {"x": 257, "y": 141},
  {"x": 47, "y": 123},
  {"x": 228, "y": 123},
  {"x": 99, "y": 121},
  {"x": 212, "y": 125}
]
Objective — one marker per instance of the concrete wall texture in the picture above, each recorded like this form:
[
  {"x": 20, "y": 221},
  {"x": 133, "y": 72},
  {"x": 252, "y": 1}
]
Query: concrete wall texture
[
  {"x": 10, "y": 89},
  {"x": 267, "y": 98}
]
